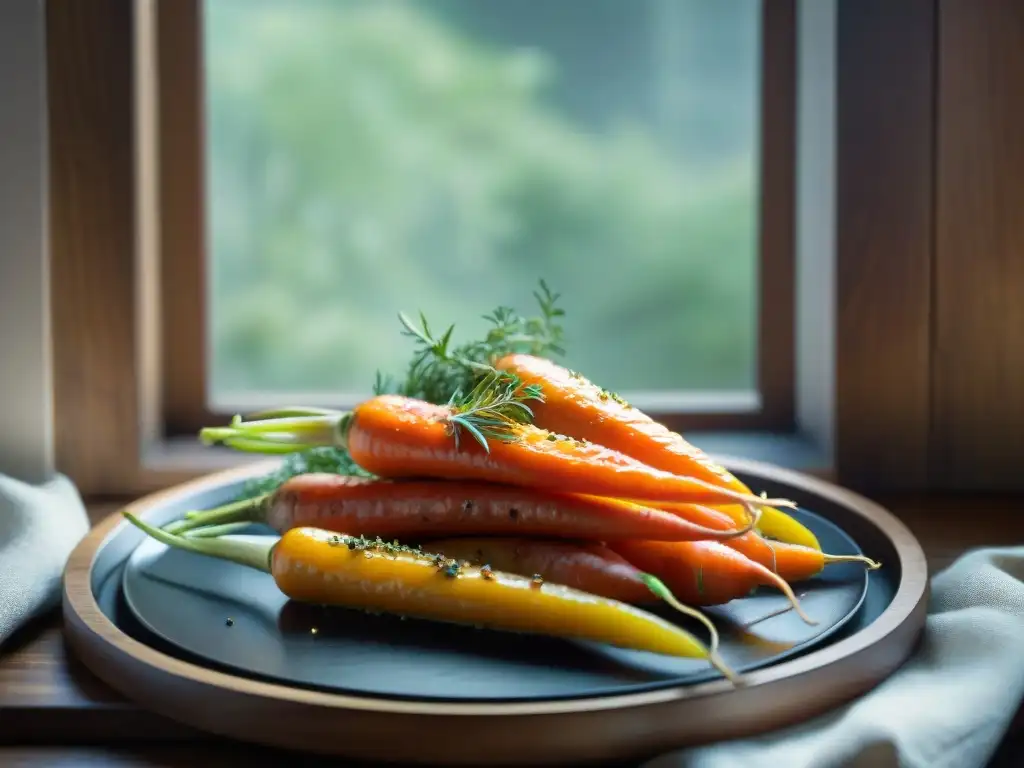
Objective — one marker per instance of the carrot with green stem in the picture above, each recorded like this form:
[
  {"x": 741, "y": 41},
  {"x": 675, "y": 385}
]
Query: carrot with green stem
[
  {"x": 577, "y": 407},
  {"x": 400, "y": 437},
  {"x": 403, "y": 508},
  {"x": 311, "y": 565},
  {"x": 704, "y": 572},
  {"x": 587, "y": 566}
]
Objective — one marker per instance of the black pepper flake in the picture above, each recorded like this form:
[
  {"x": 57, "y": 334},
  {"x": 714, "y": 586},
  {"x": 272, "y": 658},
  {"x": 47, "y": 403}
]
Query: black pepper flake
[
  {"x": 513, "y": 513},
  {"x": 537, "y": 580},
  {"x": 230, "y": 622},
  {"x": 452, "y": 571},
  {"x": 467, "y": 505}
]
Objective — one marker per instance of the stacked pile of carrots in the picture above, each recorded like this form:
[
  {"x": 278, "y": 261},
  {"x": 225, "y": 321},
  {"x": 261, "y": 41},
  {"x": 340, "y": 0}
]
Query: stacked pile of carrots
[{"x": 537, "y": 502}]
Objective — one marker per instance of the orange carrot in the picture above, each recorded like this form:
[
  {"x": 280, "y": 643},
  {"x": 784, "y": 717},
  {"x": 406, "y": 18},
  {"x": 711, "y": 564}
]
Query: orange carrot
[
  {"x": 797, "y": 563},
  {"x": 704, "y": 572},
  {"x": 576, "y": 407},
  {"x": 362, "y": 506},
  {"x": 793, "y": 562},
  {"x": 587, "y": 566},
  {"x": 400, "y": 437}
]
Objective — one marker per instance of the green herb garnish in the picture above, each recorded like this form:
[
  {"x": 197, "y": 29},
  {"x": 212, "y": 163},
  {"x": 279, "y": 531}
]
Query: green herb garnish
[{"x": 439, "y": 373}]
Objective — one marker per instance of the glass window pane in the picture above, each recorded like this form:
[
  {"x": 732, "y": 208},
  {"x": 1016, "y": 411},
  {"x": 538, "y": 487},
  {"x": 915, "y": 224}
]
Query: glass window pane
[{"x": 370, "y": 157}]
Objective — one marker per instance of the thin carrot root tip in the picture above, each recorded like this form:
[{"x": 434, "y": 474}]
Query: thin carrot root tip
[
  {"x": 872, "y": 565},
  {"x": 791, "y": 596},
  {"x": 661, "y": 591},
  {"x": 724, "y": 668},
  {"x": 754, "y": 515}
]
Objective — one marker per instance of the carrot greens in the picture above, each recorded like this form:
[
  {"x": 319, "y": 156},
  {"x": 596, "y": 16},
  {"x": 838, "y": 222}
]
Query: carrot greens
[{"x": 439, "y": 372}]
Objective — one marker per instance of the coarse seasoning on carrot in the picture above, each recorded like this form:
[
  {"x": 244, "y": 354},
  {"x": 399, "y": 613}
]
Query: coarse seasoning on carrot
[
  {"x": 587, "y": 566},
  {"x": 575, "y": 406},
  {"x": 320, "y": 567},
  {"x": 410, "y": 508},
  {"x": 478, "y": 439},
  {"x": 704, "y": 572}
]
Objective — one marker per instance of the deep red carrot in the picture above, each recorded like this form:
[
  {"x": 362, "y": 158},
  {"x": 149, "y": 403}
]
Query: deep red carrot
[
  {"x": 362, "y": 506},
  {"x": 577, "y": 407},
  {"x": 586, "y": 566},
  {"x": 704, "y": 572},
  {"x": 479, "y": 439}
]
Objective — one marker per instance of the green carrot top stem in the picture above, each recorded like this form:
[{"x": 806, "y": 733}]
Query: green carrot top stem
[
  {"x": 244, "y": 511},
  {"x": 490, "y": 410},
  {"x": 248, "y": 553}
]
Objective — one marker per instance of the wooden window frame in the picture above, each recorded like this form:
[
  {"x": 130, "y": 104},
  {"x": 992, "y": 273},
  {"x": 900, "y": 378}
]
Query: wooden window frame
[
  {"x": 128, "y": 288},
  {"x": 908, "y": 373},
  {"x": 182, "y": 244}
]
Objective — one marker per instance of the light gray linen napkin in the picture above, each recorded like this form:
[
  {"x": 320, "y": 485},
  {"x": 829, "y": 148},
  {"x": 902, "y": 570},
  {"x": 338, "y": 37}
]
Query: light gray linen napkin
[
  {"x": 39, "y": 527},
  {"x": 949, "y": 706}
]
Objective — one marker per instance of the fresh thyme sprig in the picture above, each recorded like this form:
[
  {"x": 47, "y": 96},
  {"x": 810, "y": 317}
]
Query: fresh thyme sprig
[
  {"x": 437, "y": 373},
  {"x": 492, "y": 409},
  {"x": 438, "y": 368}
]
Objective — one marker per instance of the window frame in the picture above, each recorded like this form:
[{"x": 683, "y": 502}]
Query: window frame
[
  {"x": 113, "y": 214},
  {"x": 186, "y": 406},
  {"x": 894, "y": 388}
]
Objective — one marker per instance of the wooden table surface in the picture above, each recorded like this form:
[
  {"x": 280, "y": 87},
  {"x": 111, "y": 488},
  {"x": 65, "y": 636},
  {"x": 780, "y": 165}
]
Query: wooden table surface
[{"x": 53, "y": 712}]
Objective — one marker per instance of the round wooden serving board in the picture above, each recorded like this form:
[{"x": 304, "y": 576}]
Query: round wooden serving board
[{"x": 556, "y": 730}]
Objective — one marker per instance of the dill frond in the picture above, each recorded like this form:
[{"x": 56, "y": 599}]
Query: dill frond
[
  {"x": 440, "y": 371},
  {"x": 493, "y": 408}
]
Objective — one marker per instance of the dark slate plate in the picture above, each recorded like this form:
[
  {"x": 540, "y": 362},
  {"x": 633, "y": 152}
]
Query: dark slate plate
[{"x": 185, "y": 600}]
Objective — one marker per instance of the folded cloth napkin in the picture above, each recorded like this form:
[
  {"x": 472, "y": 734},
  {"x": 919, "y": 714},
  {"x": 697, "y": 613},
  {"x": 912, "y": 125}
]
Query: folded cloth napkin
[
  {"x": 949, "y": 706},
  {"x": 39, "y": 527}
]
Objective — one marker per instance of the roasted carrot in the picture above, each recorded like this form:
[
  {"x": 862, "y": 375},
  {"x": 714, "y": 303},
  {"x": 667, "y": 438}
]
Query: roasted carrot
[
  {"x": 704, "y": 572},
  {"x": 586, "y": 566},
  {"x": 577, "y": 407},
  {"x": 312, "y": 565},
  {"x": 400, "y": 437},
  {"x": 404, "y": 508},
  {"x": 793, "y": 562}
]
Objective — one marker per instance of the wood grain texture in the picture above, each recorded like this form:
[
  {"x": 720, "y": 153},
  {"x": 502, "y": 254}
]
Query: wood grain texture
[
  {"x": 95, "y": 289},
  {"x": 978, "y": 369},
  {"x": 776, "y": 304},
  {"x": 182, "y": 184},
  {"x": 630, "y": 725},
  {"x": 884, "y": 242},
  {"x": 92, "y": 239}
]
